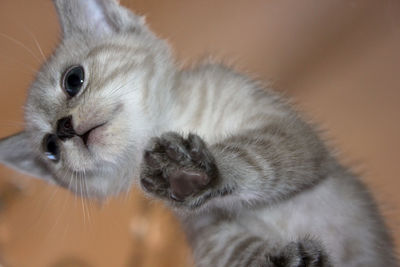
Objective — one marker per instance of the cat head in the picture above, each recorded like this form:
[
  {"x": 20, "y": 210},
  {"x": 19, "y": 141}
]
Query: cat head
[{"x": 90, "y": 109}]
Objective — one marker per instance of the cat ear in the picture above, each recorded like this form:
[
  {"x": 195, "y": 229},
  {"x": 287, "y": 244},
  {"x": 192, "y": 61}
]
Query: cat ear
[
  {"x": 16, "y": 152},
  {"x": 96, "y": 17}
]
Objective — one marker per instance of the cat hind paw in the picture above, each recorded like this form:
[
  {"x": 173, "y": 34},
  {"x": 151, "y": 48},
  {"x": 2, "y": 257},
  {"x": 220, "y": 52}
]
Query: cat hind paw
[{"x": 305, "y": 253}]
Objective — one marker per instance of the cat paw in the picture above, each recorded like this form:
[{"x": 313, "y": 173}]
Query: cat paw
[
  {"x": 177, "y": 168},
  {"x": 305, "y": 253}
]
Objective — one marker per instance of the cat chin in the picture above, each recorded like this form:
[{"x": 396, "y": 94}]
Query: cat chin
[
  {"x": 98, "y": 151},
  {"x": 108, "y": 180}
]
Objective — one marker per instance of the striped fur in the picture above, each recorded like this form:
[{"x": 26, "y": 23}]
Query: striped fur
[{"x": 263, "y": 188}]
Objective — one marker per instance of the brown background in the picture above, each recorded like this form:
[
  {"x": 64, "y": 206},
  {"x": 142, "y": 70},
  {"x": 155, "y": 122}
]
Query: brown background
[{"x": 339, "y": 59}]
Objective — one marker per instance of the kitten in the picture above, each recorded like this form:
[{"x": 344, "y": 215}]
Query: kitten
[{"x": 251, "y": 181}]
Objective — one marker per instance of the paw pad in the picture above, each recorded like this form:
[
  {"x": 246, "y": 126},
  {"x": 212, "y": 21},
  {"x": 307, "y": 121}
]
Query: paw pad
[{"x": 174, "y": 167}]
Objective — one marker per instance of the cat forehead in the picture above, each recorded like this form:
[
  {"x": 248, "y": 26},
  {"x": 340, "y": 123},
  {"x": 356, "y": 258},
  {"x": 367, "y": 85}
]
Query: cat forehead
[{"x": 82, "y": 51}]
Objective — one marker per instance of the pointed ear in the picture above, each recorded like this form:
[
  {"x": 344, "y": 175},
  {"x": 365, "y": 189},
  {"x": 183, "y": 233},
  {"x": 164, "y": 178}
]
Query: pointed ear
[
  {"x": 16, "y": 152},
  {"x": 96, "y": 17}
]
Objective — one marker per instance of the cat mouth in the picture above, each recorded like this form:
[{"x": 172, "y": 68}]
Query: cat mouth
[{"x": 86, "y": 136}]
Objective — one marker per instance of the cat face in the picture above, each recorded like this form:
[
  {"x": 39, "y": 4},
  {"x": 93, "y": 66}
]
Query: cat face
[{"x": 88, "y": 112}]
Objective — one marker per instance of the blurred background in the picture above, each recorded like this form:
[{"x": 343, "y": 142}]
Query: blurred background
[{"x": 338, "y": 59}]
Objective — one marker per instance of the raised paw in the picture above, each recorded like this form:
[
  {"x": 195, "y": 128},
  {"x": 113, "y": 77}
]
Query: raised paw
[
  {"x": 305, "y": 253},
  {"x": 177, "y": 168}
]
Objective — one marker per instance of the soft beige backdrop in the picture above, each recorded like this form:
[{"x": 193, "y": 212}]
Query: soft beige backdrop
[{"x": 339, "y": 59}]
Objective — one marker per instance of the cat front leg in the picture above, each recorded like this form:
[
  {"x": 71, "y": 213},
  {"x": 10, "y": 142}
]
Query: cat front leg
[{"x": 253, "y": 168}]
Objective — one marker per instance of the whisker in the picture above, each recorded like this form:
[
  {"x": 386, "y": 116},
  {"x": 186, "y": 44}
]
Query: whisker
[
  {"x": 76, "y": 190},
  {"x": 21, "y": 45},
  {"x": 70, "y": 182},
  {"x": 81, "y": 197},
  {"x": 86, "y": 195},
  {"x": 59, "y": 214},
  {"x": 36, "y": 42}
]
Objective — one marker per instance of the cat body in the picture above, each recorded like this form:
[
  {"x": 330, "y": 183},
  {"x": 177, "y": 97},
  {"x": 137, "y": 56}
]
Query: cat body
[
  {"x": 336, "y": 208},
  {"x": 251, "y": 181}
]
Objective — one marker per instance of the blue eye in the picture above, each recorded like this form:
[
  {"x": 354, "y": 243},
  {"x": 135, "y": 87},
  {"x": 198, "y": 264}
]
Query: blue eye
[{"x": 73, "y": 80}]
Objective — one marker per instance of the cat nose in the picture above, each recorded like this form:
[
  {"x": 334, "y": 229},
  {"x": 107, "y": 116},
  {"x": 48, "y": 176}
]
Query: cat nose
[{"x": 65, "y": 129}]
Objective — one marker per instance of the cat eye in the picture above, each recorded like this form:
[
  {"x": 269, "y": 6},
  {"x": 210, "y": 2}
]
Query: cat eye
[
  {"x": 50, "y": 147},
  {"x": 73, "y": 80}
]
